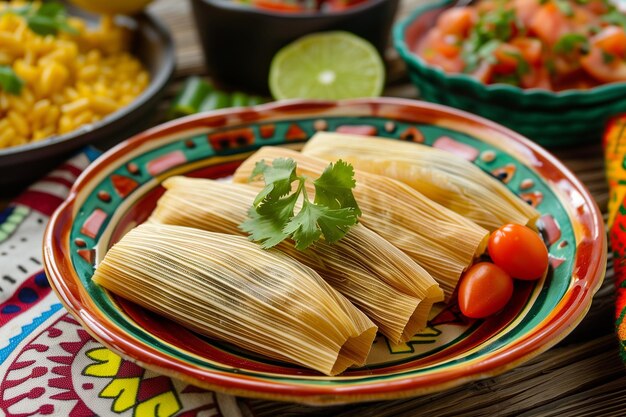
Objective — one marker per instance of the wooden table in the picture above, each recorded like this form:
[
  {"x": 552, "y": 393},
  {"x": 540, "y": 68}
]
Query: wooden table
[{"x": 582, "y": 376}]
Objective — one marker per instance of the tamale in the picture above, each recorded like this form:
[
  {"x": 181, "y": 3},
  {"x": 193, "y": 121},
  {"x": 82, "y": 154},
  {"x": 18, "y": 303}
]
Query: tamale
[
  {"x": 443, "y": 177},
  {"x": 443, "y": 242},
  {"x": 228, "y": 288},
  {"x": 379, "y": 279}
]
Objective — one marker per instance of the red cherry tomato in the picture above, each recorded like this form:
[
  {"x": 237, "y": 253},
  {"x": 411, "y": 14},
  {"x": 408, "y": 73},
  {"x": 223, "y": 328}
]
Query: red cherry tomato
[
  {"x": 519, "y": 251},
  {"x": 484, "y": 290}
]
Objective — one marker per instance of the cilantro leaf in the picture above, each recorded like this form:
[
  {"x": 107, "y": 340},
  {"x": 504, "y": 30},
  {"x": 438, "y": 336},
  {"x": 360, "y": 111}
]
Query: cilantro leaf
[
  {"x": 272, "y": 218},
  {"x": 615, "y": 17},
  {"x": 281, "y": 208},
  {"x": 9, "y": 81},
  {"x": 266, "y": 222},
  {"x": 565, "y": 7},
  {"x": 335, "y": 223},
  {"x": 48, "y": 19},
  {"x": 266, "y": 230},
  {"x": 607, "y": 58},
  {"x": 333, "y": 187},
  {"x": 314, "y": 220},
  {"x": 489, "y": 32},
  {"x": 278, "y": 178},
  {"x": 45, "y": 19},
  {"x": 523, "y": 67},
  {"x": 570, "y": 42},
  {"x": 303, "y": 226},
  {"x": 484, "y": 53}
]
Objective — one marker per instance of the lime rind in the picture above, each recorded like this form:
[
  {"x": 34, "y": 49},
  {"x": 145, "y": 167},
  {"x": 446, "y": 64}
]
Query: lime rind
[{"x": 328, "y": 65}]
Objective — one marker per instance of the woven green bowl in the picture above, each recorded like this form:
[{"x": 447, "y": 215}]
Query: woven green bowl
[{"x": 551, "y": 119}]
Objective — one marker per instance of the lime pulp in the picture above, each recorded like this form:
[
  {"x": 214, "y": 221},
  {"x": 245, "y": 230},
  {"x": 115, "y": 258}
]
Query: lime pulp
[{"x": 329, "y": 66}]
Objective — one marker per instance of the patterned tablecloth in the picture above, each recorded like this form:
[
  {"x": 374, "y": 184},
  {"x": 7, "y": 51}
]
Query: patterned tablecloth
[{"x": 49, "y": 364}]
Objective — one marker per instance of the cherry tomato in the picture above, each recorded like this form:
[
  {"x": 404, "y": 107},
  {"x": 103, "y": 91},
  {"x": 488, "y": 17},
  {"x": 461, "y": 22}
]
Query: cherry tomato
[
  {"x": 530, "y": 48},
  {"x": 595, "y": 64},
  {"x": 612, "y": 40},
  {"x": 484, "y": 72},
  {"x": 507, "y": 61},
  {"x": 456, "y": 21},
  {"x": 519, "y": 251},
  {"x": 549, "y": 24},
  {"x": 526, "y": 9},
  {"x": 448, "y": 46},
  {"x": 484, "y": 290}
]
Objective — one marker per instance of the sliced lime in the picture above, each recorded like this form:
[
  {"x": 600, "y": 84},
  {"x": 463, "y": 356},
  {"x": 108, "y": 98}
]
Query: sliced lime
[{"x": 327, "y": 65}]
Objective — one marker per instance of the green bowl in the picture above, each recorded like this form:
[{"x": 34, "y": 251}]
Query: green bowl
[{"x": 549, "y": 118}]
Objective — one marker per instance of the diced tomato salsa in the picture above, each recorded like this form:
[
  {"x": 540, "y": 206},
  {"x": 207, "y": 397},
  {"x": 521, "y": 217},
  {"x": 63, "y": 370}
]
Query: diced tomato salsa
[{"x": 548, "y": 44}]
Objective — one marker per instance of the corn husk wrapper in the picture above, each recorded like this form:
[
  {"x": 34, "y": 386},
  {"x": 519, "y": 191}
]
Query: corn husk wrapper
[
  {"x": 391, "y": 289},
  {"x": 443, "y": 242},
  {"x": 228, "y": 288},
  {"x": 441, "y": 176}
]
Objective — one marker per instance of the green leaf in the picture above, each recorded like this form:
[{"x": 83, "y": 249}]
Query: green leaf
[
  {"x": 487, "y": 50},
  {"x": 314, "y": 220},
  {"x": 271, "y": 219},
  {"x": 9, "y": 81},
  {"x": 278, "y": 178},
  {"x": 607, "y": 58},
  {"x": 522, "y": 66},
  {"x": 489, "y": 32},
  {"x": 498, "y": 24},
  {"x": 484, "y": 53},
  {"x": 336, "y": 223},
  {"x": 259, "y": 170},
  {"x": 51, "y": 9},
  {"x": 42, "y": 25},
  {"x": 565, "y": 7},
  {"x": 570, "y": 42},
  {"x": 303, "y": 226},
  {"x": 281, "y": 208},
  {"x": 266, "y": 230},
  {"x": 45, "y": 19},
  {"x": 615, "y": 17},
  {"x": 266, "y": 222},
  {"x": 333, "y": 187}
]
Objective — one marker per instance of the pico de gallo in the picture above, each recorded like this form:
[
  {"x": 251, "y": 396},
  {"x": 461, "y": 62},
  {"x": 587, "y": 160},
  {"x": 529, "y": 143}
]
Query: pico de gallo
[{"x": 547, "y": 44}]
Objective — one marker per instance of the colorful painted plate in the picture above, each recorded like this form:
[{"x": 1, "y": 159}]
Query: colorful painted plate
[{"x": 121, "y": 188}]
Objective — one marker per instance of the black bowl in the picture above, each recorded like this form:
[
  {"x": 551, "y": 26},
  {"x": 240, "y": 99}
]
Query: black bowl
[
  {"x": 153, "y": 45},
  {"x": 240, "y": 41}
]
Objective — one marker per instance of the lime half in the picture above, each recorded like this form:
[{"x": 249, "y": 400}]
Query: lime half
[{"x": 327, "y": 65}]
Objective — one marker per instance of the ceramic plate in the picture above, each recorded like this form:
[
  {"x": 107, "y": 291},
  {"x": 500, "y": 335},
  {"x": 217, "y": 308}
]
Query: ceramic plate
[{"x": 121, "y": 188}]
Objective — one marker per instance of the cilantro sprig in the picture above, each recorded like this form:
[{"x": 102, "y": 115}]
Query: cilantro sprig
[
  {"x": 45, "y": 19},
  {"x": 489, "y": 32},
  {"x": 272, "y": 217},
  {"x": 9, "y": 81}
]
